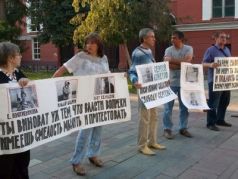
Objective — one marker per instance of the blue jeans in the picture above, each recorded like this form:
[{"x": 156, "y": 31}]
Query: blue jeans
[
  {"x": 88, "y": 143},
  {"x": 183, "y": 112},
  {"x": 218, "y": 102}
]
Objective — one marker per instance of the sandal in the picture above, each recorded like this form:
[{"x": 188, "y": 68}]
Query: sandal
[
  {"x": 79, "y": 170},
  {"x": 96, "y": 161}
]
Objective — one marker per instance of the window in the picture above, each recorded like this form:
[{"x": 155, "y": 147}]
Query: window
[
  {"x": 32, "y": 24},
  {"x": 223, "y": 8},
  {"x": 36, "y": 49},
  {"x": 35, "y": 4},
  {"x": 9, "y": 5}
]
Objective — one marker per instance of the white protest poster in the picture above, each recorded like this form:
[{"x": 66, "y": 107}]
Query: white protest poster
[
  {"x": 154, "y": 78},
  {"x": 49, "y": 109},
  {"x": 192, "y": 86},
  {"x": 226, "y": 75}
]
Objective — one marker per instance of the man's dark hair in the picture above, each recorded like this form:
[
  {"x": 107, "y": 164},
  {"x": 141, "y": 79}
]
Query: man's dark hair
[{"x": 179, "y": 34}]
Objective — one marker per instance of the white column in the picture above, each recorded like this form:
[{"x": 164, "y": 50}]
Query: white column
[
  {"x": 207, "y": 9},
  {"x": 236, "y": 8},
  {"x": 28, "y": 19},
  {"x": 28, "y": 24}
]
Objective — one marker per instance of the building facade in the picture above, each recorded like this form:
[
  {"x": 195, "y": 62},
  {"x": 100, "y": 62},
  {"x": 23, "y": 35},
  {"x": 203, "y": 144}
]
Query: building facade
[
  {"x": 200, "y": 19},
  {"x": 47, "y": 56},
  {"x": 37, "y": 56}
]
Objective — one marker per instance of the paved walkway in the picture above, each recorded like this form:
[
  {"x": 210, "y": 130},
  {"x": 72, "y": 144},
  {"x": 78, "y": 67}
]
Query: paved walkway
[{"x": 208, "y": 155}]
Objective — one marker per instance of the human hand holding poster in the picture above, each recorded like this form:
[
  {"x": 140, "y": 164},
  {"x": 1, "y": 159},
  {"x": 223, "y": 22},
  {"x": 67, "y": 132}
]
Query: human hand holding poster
[
  {"x": 226, "y": 75},
  {"x": 192, "y": 86},
  {"x": 155, "y": 89},
  {"x": 42, "y": 111}
]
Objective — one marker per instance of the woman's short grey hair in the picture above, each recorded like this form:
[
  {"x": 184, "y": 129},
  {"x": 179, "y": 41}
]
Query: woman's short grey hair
[
  {"x": 143, "y": 33},
  {"x": 7, "y": 49}
]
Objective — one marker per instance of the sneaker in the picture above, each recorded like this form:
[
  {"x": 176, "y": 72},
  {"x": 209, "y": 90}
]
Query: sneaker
[
  {"x": 157, "y": 146},
  {"x": 185, "y": 133},
  {"x": 224, "y": 124},
  {"x": 213, "y": 128},
  {"x": 168, "y": 134},
  {"x": 146, "y": 151}
]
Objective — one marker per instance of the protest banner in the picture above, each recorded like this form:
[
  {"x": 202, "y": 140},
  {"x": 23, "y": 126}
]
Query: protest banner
[
  {"x": 226, "y": 75},
  {"x": 46, "y": 110},
  {"x": 154, "y": 78},
  {"x": 192, "y": 86}
]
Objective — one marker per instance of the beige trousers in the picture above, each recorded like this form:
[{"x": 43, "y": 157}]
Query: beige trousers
[{"x": 147, "y": 134}]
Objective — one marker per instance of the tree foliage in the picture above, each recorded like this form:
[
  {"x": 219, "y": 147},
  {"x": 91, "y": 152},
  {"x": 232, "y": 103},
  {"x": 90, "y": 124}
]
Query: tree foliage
[
  {"x": 118, "y": 21},
  {"x": 54, "y": 17},
  {"x": 8, "y": 32},
  {"x": 11, "y": 21}
]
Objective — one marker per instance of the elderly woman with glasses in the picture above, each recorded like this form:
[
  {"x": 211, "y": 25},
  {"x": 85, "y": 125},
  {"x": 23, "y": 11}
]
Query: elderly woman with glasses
[{"x": 12, "y": 166}]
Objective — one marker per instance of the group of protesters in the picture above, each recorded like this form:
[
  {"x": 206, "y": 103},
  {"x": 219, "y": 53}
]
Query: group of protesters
[
  {"x": 177, "y": 53},
  {"x": 92, "y": 61}
]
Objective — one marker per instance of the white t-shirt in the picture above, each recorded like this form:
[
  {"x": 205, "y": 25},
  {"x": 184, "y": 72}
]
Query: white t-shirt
[{"x": 83, "y": 64}]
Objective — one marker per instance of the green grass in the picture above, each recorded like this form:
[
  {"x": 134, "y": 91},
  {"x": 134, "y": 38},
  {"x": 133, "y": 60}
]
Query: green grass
[
  {"x": 40, "y": 74},
  {"x": 131, "y": 88}
]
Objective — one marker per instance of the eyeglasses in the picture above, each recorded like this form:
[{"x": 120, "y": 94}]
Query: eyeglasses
[
  {"x": 223, "y": 37},
  {"x": 151, "y": 36}
]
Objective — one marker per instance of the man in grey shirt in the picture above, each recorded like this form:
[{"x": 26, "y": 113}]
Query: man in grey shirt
[{"x": 175, "y": 54}]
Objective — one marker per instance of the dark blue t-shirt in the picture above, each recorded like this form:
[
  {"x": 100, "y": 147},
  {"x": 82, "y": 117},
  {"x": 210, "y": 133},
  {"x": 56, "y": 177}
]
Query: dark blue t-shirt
[{"x": 209, "y": 56}]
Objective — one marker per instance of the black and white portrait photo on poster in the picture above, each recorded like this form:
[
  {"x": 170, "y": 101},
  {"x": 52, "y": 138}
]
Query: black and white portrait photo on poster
[
  {"x": 104, "y": 85},
  {"x": 23, "y": 98},
  {"x": 194, "y": 99},
  {"x": 147, "y": 74},
  {"x": 191, "y": 74},
  {"x": 192, "y": 86},
  {"x": 66, "y": 89}
]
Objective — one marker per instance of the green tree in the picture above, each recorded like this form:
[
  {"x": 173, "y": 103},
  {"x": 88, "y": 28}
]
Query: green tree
[
  {"x": 118, "y": 21},
  {"x": 11, "y": 19},
  {"x": 52, "y": 19}
]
